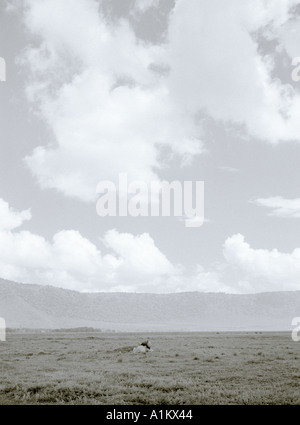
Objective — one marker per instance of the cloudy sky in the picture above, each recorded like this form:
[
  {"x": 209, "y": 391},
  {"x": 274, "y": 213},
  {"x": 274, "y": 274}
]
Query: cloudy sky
[{"x": 160, "y": 90}]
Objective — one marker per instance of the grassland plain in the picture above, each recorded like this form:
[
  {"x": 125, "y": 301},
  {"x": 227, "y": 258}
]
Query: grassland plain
[{"x": 183, "y": 368}]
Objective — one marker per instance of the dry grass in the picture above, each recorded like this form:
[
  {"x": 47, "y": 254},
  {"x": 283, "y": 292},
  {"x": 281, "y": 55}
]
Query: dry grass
[{"x": 192, "y": 368}]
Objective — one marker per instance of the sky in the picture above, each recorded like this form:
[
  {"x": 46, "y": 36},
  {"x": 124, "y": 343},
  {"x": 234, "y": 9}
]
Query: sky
[{"x": 159, "y": 90}]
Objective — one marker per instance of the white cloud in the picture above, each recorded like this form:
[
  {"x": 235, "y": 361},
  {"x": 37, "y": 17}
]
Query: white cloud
[
  {"x": 262, "y": 269},
  {"x": 144, "y": 5},
  {"x": 216, "y": 65},
  {"x": 108, "y": 111},
  {"x": 10, "y": 219},
  {"x": 133, "y": 263},
  {"x": 280, "y": 207},
  {"x": 208, "y": 280},
  {"x": 95, "y": 85},
  {"x": 138, "y": 253}
]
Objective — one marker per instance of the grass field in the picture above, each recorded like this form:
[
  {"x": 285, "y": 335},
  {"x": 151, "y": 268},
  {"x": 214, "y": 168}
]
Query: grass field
[{"x": 191, "y": 368}]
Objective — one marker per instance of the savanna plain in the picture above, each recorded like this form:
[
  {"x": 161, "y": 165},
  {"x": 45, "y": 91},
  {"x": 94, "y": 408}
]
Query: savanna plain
[{"x": 184, "y": 368}]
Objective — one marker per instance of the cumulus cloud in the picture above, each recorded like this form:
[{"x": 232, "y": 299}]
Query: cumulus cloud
[
  {"x": 216, "y": 65},
  {"x": 97, "y": 86},
  {"x": 132, "y": 263},
  {"x": 94, "y": 84},
  {"x": 10, "y": 219},
  {"x": 280, "y": 207},
  {"x": 262, "y": 269},
  {"x": 69, "y": 260}
]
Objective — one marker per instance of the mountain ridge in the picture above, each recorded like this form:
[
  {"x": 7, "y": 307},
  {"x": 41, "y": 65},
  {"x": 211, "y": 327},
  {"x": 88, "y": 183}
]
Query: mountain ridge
[{"x": 49, "y": 307}]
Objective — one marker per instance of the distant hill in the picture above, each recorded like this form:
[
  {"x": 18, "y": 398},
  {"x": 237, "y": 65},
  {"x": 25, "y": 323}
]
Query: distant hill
[{"x": 38, "y": 306}]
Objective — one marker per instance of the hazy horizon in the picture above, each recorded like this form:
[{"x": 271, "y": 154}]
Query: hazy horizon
[{"x": 146, "y": 293}]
